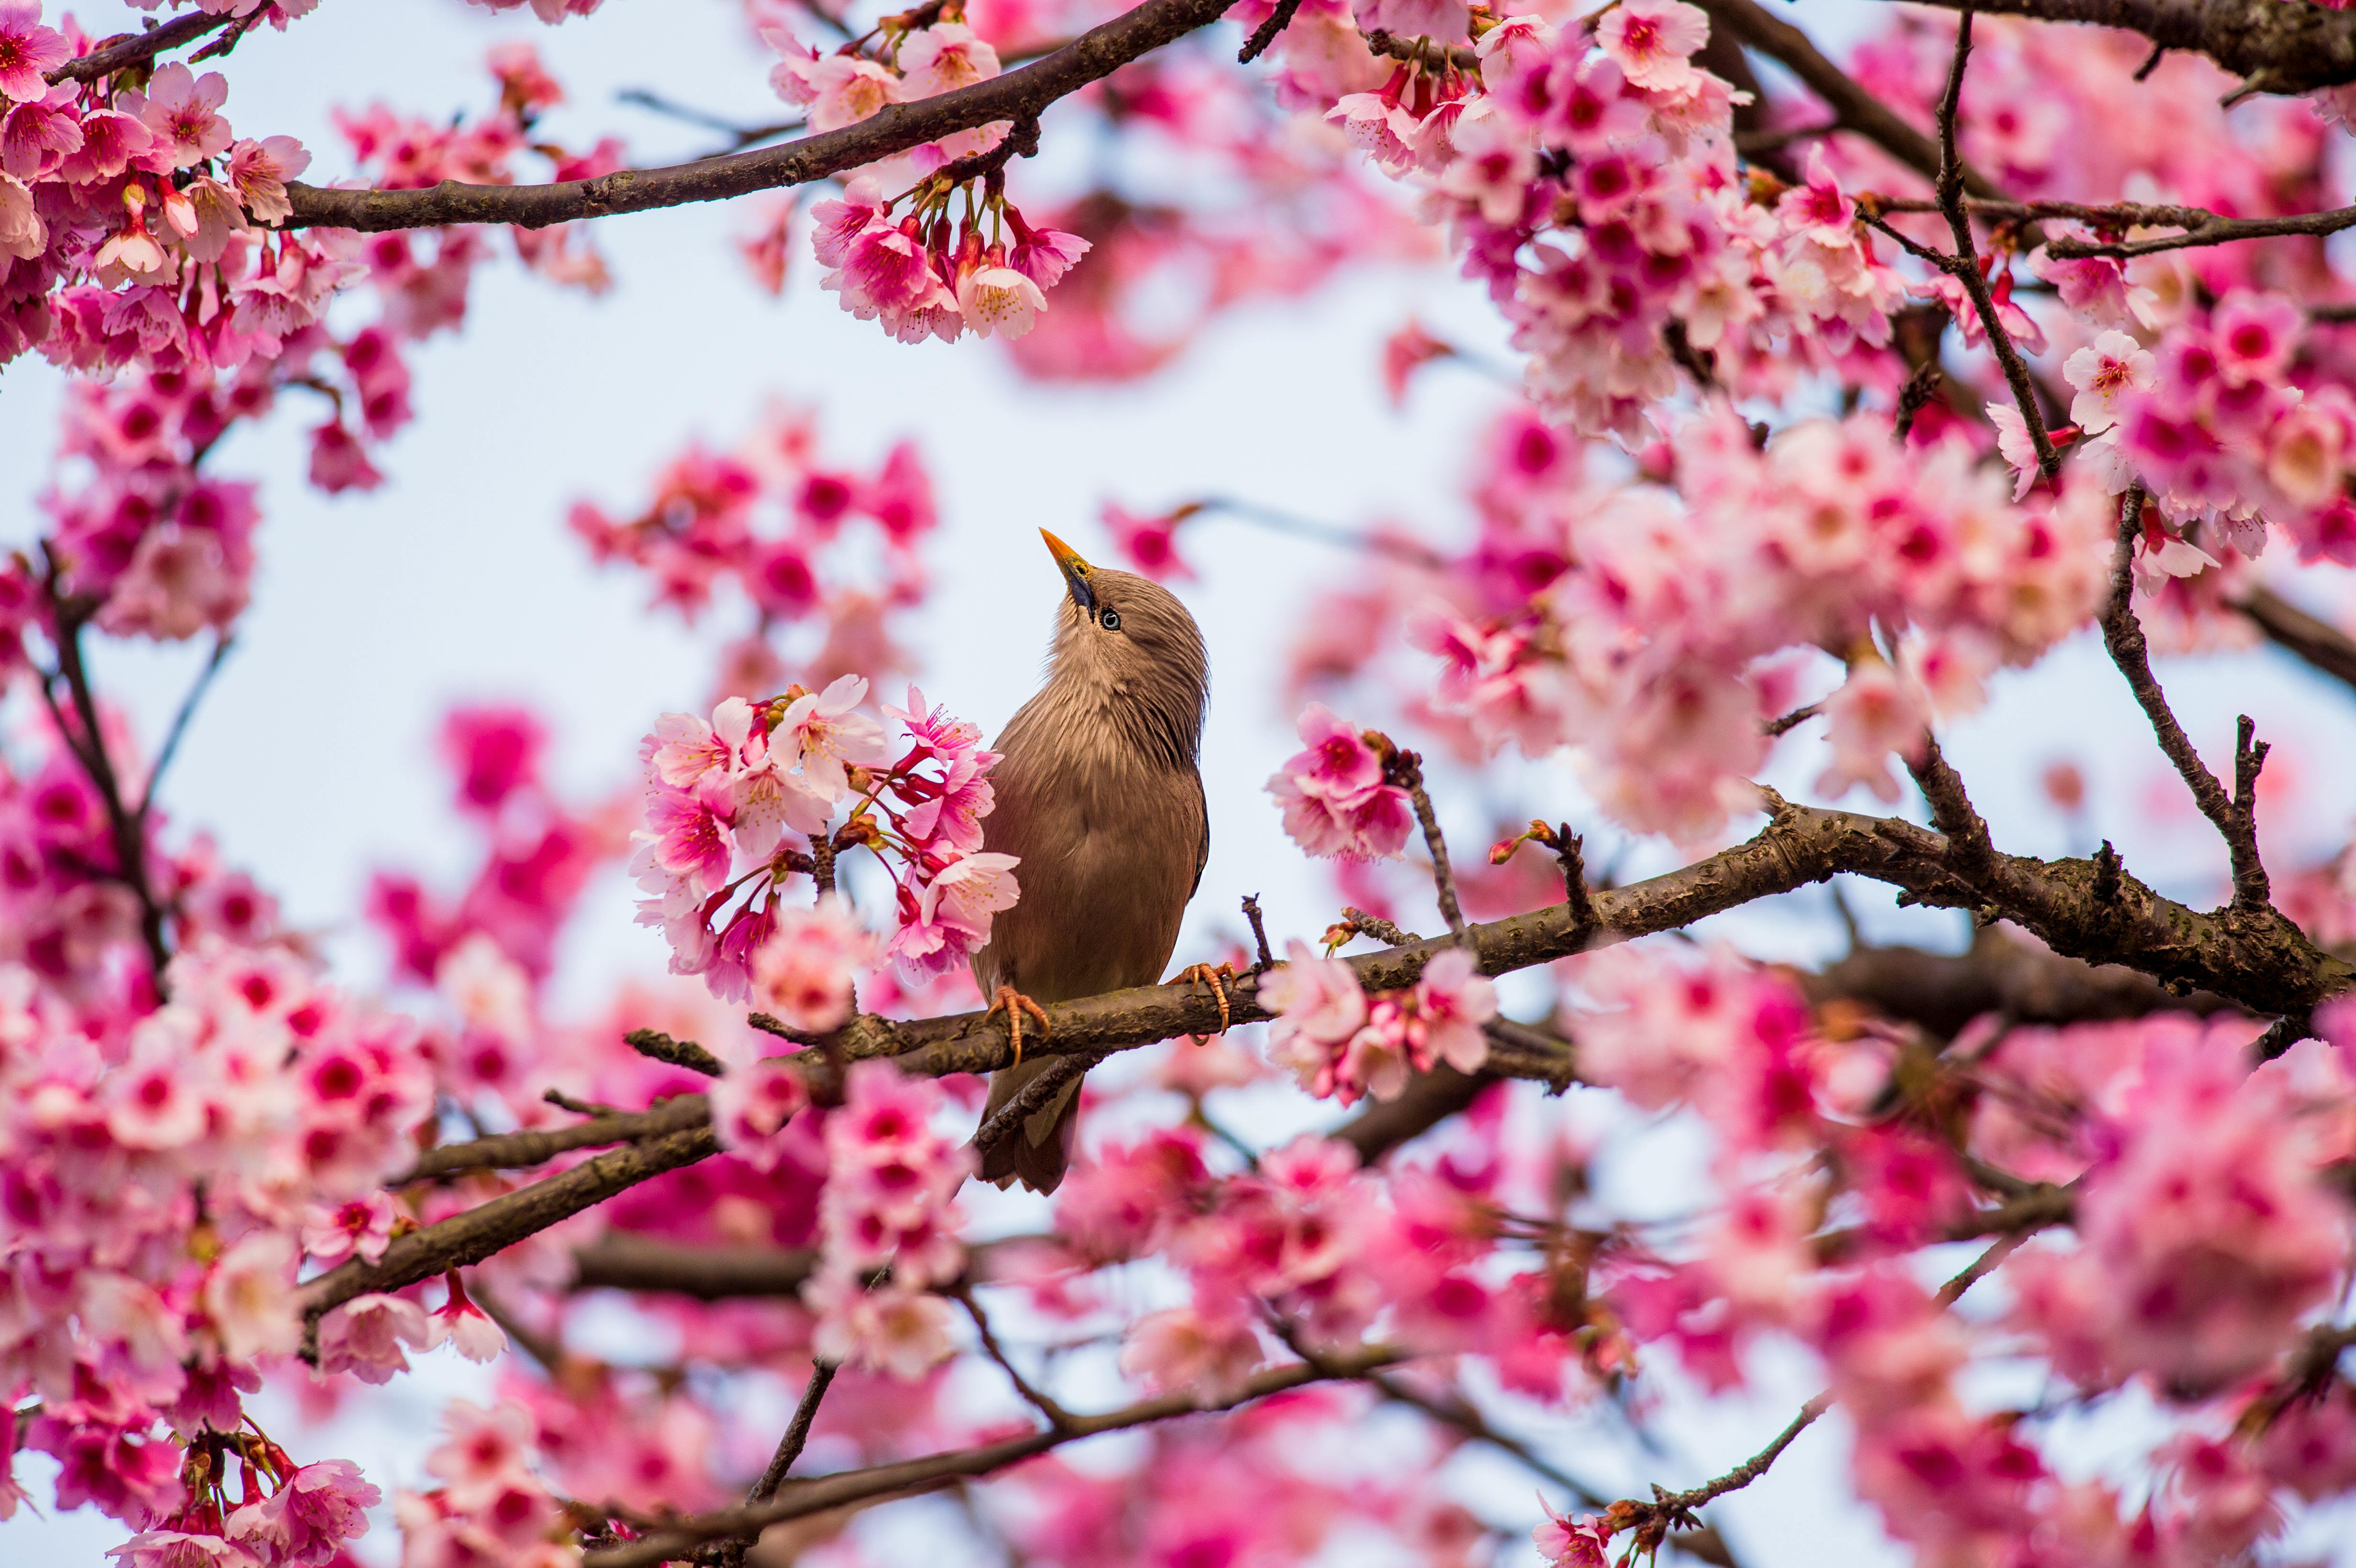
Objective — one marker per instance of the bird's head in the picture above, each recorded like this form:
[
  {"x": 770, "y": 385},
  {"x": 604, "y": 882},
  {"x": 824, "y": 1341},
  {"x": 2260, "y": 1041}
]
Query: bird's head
[{"x": 1126, "y": 642}]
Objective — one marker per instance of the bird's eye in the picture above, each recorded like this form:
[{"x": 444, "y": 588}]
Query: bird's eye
[{"x": 1110, "y": 621}]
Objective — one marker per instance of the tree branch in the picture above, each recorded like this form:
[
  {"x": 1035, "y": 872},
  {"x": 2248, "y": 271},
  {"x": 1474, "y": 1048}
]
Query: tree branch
[
  {"x": 2123, "y": 635},
  {"x": 626, "y": 1260},
  {"x": 798, "y": 1431},
  {"x": 1017, "y": 95},
  {"x": 491, "y": 1227},
  {"x": 137, "y": 48},
  {"x": 222, "y": 641},
  {"x": 2272, "y": 47},
  {"x": 2318, "y": 641},
  {"x": 509, "y": 1150},
  {"x": 1853, "y": 109},
  {"x": 126, "y": 828},
  {"x": 2260, "y": 961},
  {"x": 1669, "y": 1510},
  {"x": 805, "y": 1498},
  {"x": 1942, "y": 992}
]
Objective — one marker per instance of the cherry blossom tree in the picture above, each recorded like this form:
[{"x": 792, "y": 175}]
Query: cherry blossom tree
[{"x": 1849, "y": 384}]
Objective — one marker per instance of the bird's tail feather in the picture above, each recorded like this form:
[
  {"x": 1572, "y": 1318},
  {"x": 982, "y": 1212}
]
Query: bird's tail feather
[{"x": 1036, "y": 1152}]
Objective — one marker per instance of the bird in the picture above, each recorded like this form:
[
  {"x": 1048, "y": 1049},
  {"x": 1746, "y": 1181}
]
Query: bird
[{"x": 1099, "y": 797}]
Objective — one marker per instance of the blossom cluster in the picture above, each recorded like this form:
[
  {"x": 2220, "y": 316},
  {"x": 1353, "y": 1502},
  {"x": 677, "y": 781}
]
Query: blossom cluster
[
  {"x": 1343, "y": 1044},
  {"x": 921, "y": 275},
  {"x": 168, "y": 1172},
  {"x": 1337, "y": 794},
  {"x": 723, "y": 797},
  {"x": 823, "y": 552},
  {"x": 131, "y": 217},
  {"x": 889, "y": 1210},
  {"x": 2220, "y": 435},
  {"x": 1587, "y": 177},
  {"x": 1652, "y": 652},
  {"x": 2208, "y": 1234}
]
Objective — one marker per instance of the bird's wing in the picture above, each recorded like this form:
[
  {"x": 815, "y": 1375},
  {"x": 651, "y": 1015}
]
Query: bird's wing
[{"x": 1202, "y": 843}]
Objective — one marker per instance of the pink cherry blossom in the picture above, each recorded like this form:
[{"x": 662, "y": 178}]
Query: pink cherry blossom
[
  {"x": 2104, "y": 373},
  {"x": 1453, "y": 1000},
  {"x": 1334, "y": 799},
  {"x": 259, "y": 171},
  {"x": 182, "y": 111},
  {"x": 944, "y": 57},
  {"x": 837, "y": 90},
  {"x": 28, "y": 50},
  {"x": 997, "y": 299},
  {"x": 1654, "y": 42},
  {"x": 1188, "y": 1351},
  {"x": 1582, "y": 1541},
  {"x": 308, "y": 1520},
  {"x": 364, "y": 1336}
]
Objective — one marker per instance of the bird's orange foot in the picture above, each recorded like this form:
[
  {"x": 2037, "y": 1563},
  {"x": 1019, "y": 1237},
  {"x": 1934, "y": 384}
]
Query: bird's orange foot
[
  {"x": 1014, "y": 1004},
  {"x": 1216, "y": 979}
]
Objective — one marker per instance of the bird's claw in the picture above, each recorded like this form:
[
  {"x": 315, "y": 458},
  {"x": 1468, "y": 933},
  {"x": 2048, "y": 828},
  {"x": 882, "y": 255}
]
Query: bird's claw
[
  {"x": 1014, "y": 1004},
  {"x": 1216, "y": 979}
]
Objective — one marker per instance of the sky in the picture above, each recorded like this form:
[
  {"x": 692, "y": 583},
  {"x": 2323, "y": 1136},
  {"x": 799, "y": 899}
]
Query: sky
[{"x": 456, "y": 581}]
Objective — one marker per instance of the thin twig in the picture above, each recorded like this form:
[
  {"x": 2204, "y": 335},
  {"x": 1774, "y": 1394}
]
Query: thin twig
[
  {"x": 934, "y": 1470},
  {"x": 2123, "y": 635},
  {"x": 1265, "y": 33},
  {"x": 790, "y": 1447},
  {"x": 1670, "y": 1509},
  {"x": 137, "y": 48},
  {"x": 510, "y": 1150},
  {"x": 1282, "y": 522},
  {"x": 127, "y": 829},
  {"x": 1032, "y": 1095},
  {"x": 222, "y": 641},
  {"x": 657, "y": 1046},
  {"x": 1263, "y": 960},
  {"x": 2200, "y": 226},
  {"x": 1032, "y": 1395},
  {"x": 1854, "y": 108},
  {"x": 1404, "y": 769},
  {"x": 1980, "y": 1267},
  {"x": 1964, "y": 265}
]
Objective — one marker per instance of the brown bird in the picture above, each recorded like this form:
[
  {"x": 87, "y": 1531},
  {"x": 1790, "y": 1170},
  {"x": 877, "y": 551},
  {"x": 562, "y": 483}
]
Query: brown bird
[{"x": 1101, "y": 794}]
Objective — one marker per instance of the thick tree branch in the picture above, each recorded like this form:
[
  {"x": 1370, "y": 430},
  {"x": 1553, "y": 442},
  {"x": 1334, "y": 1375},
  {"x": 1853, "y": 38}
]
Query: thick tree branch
[
  {"x": 1017, "y": 95},
  {"x": 626, "y": 1260},
  {"x": 2318, "y": 641},
  {"x": 803, "y": 1497},
  {"x": 1942, "y": 992},
  {"x": 492, "y": 1227},
  {"x": 2251, "y": 956},
  {"x": 2274, "y": 45},
  {"x": 2258, "y": 960}
]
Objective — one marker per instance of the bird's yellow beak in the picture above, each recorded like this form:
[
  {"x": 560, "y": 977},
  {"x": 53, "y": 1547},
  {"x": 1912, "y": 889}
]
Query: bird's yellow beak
[{"x": 1076, "y": 574}]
